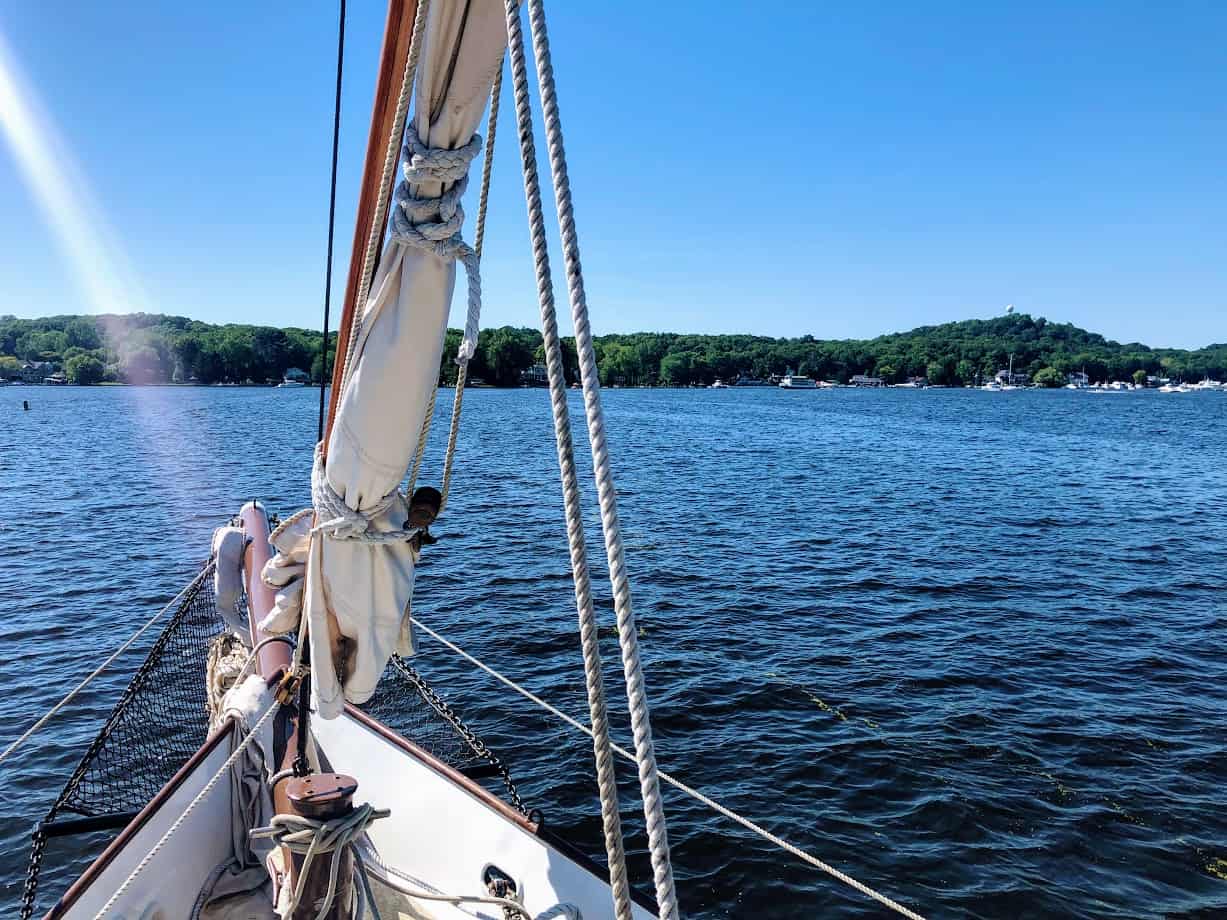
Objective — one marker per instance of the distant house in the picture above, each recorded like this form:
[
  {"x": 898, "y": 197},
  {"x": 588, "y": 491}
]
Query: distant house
[
  {"x": 56, "y": 380},
  {"x": 1018, "y": 379},
  {"x": 864, "y": 380},
  {"x": 36, "y": 371},
  {"x": 535, "y": 376},
  {"x": 297, "y": 375},
  {"x": 1078, "y": 379}
]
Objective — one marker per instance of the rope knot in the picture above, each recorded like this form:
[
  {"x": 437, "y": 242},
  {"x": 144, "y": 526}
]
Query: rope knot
[
  {"x": 341, "y": 522},
  {"x": 432, "y": 223}
]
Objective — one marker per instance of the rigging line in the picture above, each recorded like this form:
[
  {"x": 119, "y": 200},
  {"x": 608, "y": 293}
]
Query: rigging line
[
  {"x": 678, "y": 784},
  {"x": 332, "y": 214},
  {"x": 619, "y": 580},
  {"x": 102, "y": 667}
]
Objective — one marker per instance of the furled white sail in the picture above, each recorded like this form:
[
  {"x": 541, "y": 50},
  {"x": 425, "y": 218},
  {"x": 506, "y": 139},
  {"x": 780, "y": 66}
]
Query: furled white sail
[{"x": 358, "y": 589}]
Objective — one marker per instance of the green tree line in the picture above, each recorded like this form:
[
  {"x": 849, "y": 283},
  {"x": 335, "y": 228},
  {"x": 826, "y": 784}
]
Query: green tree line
[{"x": 154, "y": 348}]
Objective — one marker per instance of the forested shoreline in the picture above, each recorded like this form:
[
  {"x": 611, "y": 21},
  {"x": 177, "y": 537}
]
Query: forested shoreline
[{"x": 146, "y": 348}]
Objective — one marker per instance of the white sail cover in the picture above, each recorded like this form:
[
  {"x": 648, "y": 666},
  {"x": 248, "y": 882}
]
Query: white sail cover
[{"x": 362, "y": 590}]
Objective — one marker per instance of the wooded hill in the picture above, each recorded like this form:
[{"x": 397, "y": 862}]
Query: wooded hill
[{"x": 154, "y": 348}]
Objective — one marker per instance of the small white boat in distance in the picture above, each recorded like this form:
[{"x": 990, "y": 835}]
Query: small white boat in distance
[
  {"x": 793, "y": 381},
  {"x": 719, "y": 385},
  {"x": 289, "y": 384}
]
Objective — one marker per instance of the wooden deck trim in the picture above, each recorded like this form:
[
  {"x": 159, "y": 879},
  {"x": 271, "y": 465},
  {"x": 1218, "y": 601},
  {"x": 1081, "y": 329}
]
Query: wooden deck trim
[{"x": 107, "y": 856}]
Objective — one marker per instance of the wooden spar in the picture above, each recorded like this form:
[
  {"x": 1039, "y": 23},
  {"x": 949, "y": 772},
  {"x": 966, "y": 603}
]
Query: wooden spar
[
  {"x": 397, "y": 33},
  {"x": 274, "y": 657}
]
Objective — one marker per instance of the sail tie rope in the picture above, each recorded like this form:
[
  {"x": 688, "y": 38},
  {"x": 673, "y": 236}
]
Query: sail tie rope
[
  {"x": 432, "y": 222},
  {"x": 641, "y": 728},
  {"x": 479, "y": 235},
  {"x": 341, "y": 522},
  {"x": 677, "y": 783}
]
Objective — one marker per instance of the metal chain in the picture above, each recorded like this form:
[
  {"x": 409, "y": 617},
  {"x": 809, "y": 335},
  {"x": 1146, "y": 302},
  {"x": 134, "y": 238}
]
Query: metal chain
[
  {"x": 30, "y": 891},
  {"x": 478, "y": 747}
]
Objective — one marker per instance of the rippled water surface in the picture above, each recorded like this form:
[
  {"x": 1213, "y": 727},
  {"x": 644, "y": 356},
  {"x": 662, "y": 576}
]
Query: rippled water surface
[{"x": 968, "y": 647}]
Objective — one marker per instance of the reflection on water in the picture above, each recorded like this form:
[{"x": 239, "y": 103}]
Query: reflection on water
[{"x": 965, "y": 646}]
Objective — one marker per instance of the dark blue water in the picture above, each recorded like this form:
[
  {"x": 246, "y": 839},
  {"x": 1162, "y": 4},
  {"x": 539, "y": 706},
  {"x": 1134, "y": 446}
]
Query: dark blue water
[{"x": 969, "y": 647}]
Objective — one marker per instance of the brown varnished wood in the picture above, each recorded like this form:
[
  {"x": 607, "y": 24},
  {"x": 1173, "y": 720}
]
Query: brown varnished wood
[{"x": 398, "y": 31}]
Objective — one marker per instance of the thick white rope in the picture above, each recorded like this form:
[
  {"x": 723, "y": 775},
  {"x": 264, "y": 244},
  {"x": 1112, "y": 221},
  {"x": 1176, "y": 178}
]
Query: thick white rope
[
  {"x": 200, "y": 797},
  {"x": 677, "y": 783},
  {"x": 588, "y": 627},
  {"x": 50, "y": 713},
  {"x": 432, "y": 222},
  {"x": 392, "y": 151},
  {"x": 311, "y": 838},
  {"x": 341, "y": 522},
  {"x": 641, "y": 728}
]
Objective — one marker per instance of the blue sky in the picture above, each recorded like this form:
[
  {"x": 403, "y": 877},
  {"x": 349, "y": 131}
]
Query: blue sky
[{"x": 836, "y": 169}]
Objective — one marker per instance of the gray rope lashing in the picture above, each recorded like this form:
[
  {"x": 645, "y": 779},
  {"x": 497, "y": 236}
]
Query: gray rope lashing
[
  {"x": 432, "y": 223},
  {"x": 341, "y": 522},
  {"x": 391, "y": 153},
  {"x": 641, "y": 728},
  {"x": 311, "y": 838},
  {"x": 588, "y": 627}
]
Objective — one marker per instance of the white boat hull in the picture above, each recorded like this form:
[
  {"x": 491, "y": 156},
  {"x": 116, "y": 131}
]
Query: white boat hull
[{"x": 444, "y": 831}]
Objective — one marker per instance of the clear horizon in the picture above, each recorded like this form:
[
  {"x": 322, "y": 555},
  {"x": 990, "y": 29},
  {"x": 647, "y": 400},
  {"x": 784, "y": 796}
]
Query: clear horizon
[{"x": 906, "y": 168}]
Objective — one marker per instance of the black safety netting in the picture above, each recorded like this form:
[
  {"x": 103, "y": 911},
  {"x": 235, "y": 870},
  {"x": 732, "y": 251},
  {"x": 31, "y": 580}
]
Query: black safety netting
[{"x": 162, "y": 718}]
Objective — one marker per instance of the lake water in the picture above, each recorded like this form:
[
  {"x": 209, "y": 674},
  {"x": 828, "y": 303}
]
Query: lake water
[{"x": 968, "y": 647}]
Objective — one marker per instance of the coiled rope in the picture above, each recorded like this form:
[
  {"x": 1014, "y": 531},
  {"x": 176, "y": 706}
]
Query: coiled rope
[
  {"x": 462, "y": 371},
  {"x": 311, "y": 838},
  {"x": 673, "y": 781},
  {"x": 645, "y": 755},
  {"x": 432, "y": 224},
  {"x": 68, "y": 697}
]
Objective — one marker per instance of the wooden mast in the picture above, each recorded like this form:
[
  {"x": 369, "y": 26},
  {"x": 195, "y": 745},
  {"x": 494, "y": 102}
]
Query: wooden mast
[
  {"x": 398, "y": 32},
  {"x": 288, "y": 797}
]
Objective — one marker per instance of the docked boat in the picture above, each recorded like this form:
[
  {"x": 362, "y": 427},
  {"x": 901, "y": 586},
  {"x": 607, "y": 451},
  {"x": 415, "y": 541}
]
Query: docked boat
[
  {"x": 288, "y": 384},
  {"x": 329, "y": 780},
  {"x": 791, "y": 381},
  {"x": 719, "y": 385}
]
